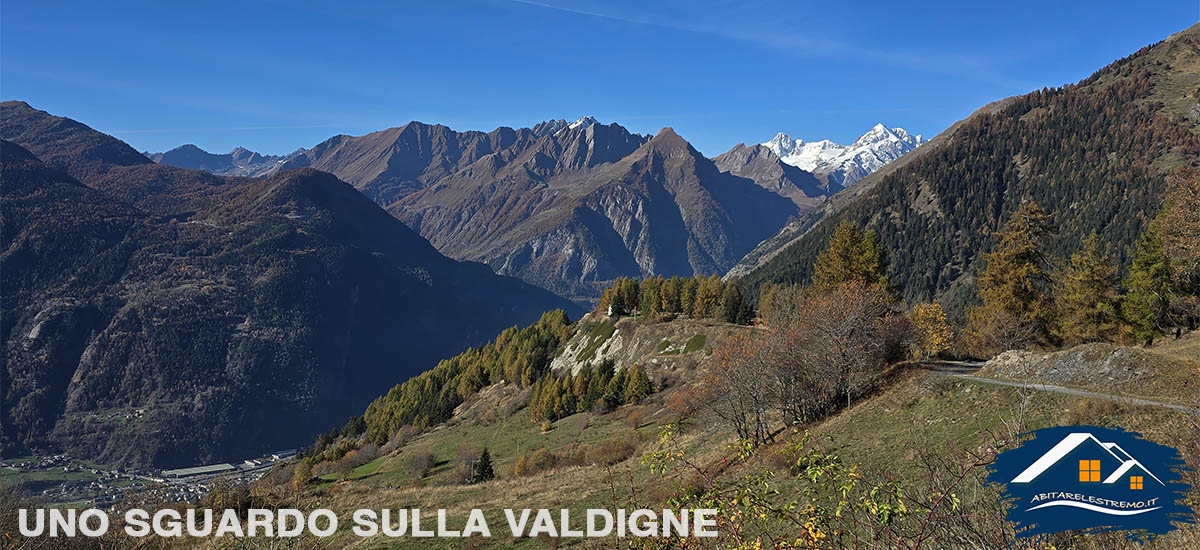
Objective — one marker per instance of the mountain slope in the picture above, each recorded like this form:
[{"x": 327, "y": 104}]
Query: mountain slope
[
  {"x": 389, "y": 164},
  {"x": 760, "y": 164},
  {"x": 64, "y": 143},
  {"x": 1095, "y": 154},
  {"x": 587, "y": 204},
  {"x": 566, "y": 206},
  {"x": 255, "y": 315}
]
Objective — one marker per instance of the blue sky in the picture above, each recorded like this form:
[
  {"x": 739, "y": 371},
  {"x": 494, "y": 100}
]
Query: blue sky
[{"x": 276, "y": 76}]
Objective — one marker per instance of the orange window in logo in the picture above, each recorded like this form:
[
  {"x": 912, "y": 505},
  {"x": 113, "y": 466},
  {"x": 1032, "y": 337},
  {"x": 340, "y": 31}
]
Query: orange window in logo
[
  {"x": 1135, "y": 482},
  {"x": 1089, "y": 470}
]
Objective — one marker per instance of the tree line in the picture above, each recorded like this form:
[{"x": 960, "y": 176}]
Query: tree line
[
  {"x": 520, "y": 356},
  {"x": 696, "y": 297},
  {"x": 596, "y": 389},
  {"x": 1029, "y": 297}
]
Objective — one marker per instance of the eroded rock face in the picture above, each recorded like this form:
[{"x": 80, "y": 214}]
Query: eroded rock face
[{"x": 566, "y": 206}]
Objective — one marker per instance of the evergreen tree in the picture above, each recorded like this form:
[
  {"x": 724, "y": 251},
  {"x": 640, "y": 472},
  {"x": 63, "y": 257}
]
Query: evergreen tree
[
  {"x": 637, "y": 385},
  {"x": 852, "y": 255},
  {"x": 708, "y": 298},
  {"x": 1087, "y": 296},
  {"x": 672, "y": 291},
  {"x": 629, "y": 292},
  {"x": 651, "y": 299},
  {"x": 1148, "y": 288},
  {"x": 687, "y": 295},
  {"x": 734, "y": 307},
  {"x": 483, "y": 468},
  {"x": 1015, "y": 284},
  {"x": 566, "y": 398},
  {"x": 614, "y": 391},
  {"x": 1180, "y": 232},
  {"x": 616, "y": 302}
]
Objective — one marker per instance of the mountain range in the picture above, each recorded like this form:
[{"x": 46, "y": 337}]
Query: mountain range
[
  {"x": 238, "y": 162},
  {"x": 1094, "y": 154},
  {"x": 156, "y": 315},
  {"x": 153, "y": 315},
  {"x": 842, "y": 165},
  {"x": 571, "y": 206}
]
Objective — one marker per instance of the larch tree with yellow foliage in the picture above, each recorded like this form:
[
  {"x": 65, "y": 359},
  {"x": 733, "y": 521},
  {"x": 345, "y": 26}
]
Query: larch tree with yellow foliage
[
  {"x": 1087, "y": 296},
  {"x": 852, "y": 256},
  {"x": 1018, "y": 306},
  {"x": 932, "y": 333}
]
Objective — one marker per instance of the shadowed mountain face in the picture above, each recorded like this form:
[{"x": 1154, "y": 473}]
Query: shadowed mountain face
[
  {"x": 64, "y": 143},
  {"x": 760, "y": 164},
  {"x": 169, "y": 317},
  {"x": 568, "y": 207},
  {"x": 1094, "y": 154}
]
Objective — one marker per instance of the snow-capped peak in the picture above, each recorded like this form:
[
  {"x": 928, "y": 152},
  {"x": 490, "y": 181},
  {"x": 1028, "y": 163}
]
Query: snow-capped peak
[
  {"x": 584, "y": 122},
  {"x": 845, "y": 164}
]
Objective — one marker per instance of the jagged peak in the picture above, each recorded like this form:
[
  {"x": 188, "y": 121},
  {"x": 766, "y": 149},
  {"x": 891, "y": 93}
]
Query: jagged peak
[{"x": 583, "y": 122}]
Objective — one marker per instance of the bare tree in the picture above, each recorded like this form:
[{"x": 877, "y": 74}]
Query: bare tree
[{"x": 739, "y": 388}]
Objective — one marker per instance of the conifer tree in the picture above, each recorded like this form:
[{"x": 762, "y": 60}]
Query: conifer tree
[
  {"x": 669, "y": 292},
  {"x": 538, "y": 399},
  {"x": 734, "y": 307},
  {"x": 687, "y": 295},
  {"x": 1015, "y": 284},
  {"x": 616, "y": 301},
  {"x": 852, "y": 255},
  {"x": 1087, "y": 296},
  {"x": 566, "y": 398},
  {"x": 580, "y": 387},
  {"x": 483, "y": 468},
  {"x": 629, "y": 293},
  {"x": 651, "y": 298},
  {"x": 1148, "y": 288},
  {"x": 614, "y": 391},
  {"x": 1180, "y": 232},
  {"x": 637, "y": 385},
  {"x": 708, "y": 298}
]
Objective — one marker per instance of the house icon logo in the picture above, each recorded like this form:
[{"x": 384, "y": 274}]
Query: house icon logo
[{"x": 1092, "y": 479}]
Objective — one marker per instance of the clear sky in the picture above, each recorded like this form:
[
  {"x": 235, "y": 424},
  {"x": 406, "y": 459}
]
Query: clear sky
[{"x": 280, "y": 75}]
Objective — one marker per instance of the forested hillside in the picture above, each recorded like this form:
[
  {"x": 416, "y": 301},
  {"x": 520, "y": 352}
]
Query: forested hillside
[
  {"x": 1095, "y": 154},
  {"x": 167, "y": 317}
]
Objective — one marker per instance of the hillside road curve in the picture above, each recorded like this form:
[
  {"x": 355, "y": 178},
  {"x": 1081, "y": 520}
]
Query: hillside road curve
[{"x": 965, "y": 370}]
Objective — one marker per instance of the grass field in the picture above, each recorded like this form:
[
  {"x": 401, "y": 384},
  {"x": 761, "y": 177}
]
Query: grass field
[{"x": 888, "y": 435}]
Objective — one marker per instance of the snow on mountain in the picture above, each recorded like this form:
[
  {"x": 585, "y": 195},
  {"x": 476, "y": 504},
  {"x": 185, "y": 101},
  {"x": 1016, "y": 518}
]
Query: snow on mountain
[
  {"x": 585, "y": 122},
  {"x": 845, "y": 164}
]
